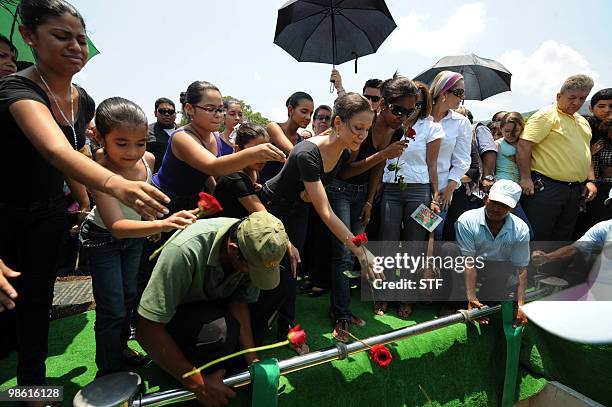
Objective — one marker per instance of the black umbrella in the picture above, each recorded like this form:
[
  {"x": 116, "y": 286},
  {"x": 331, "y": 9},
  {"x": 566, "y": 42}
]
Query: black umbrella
[
  {"x": 483, "y": 77},
  {"x": 332, "y": 31}
]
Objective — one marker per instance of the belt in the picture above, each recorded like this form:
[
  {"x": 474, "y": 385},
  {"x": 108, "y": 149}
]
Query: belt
[{"x": 569, "y": 184}]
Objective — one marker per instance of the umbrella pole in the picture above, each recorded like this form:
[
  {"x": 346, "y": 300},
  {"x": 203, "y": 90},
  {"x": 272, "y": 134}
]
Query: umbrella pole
[{"x": 333, "y": 30}]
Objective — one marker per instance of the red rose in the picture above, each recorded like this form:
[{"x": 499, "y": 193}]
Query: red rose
[
  {"x": 208, "y": 205},
  {"x": 297, "y": 336},
  {"x": 360, "y": 239},
  {"x": 381, "y": 355},
  {"x": 410, "y": 133}
]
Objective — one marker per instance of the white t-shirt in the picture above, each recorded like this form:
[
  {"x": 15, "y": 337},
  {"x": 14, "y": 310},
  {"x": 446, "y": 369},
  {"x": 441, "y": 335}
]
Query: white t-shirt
[{"x": 413, "y": 162}]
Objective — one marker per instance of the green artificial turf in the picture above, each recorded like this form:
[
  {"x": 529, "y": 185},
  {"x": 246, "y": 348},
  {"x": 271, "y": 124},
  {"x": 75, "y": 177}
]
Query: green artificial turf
[{"x": 455, "y": 366}]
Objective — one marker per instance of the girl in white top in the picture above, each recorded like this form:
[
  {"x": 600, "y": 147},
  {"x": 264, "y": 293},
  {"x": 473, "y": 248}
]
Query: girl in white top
[
  {"x": 113, "y": 234},
  {"x": 447, "y": 92},
  {"x": 416, "y": 168}
]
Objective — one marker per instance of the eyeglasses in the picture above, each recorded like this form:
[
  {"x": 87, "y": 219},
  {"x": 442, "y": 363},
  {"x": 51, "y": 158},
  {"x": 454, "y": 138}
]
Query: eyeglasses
[
  {"x": 400, "y": 110},
  {"x": 322, "y": 118},
  {"x": 210, "y": 109},
  {"x": 373, "y": 98},
  {"x": 166, "y": 112},
  {"x": 459, "y": 92}
]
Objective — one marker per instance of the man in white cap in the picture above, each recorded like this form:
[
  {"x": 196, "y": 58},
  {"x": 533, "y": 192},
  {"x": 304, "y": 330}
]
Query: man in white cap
[{"x": 501, "y": 241}]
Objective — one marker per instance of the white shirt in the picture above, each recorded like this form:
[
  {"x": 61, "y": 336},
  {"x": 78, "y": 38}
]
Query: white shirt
[
  {"x": 413, "y": 161},
  {"x": 454, "y": 158}
]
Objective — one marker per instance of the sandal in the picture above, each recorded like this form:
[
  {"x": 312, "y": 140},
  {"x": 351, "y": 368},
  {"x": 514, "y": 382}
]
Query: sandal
[
  {"x": 404, "y": 310},
  {"x": 340, "y": 330},
  {"x": 380, "y": 307}
]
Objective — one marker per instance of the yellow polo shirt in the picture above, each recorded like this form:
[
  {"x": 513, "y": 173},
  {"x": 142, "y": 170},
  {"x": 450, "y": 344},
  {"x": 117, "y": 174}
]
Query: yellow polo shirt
[{"x": 562, "y": 144}]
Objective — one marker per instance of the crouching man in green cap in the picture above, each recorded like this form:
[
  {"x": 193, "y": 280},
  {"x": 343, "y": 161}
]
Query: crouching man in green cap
[{"x": 195, "y": 307}]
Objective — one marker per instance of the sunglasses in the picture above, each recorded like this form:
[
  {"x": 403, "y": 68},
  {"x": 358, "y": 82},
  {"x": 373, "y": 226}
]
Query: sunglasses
[
  {"x": 374, "y": 99},
  {"x": 459, "y": 92},
  {"x": 210, "y": 109},
  {"x": 323, "y": 118},
  {"x": 400, "y": 110},
  {"x": 167, "y": 112},
  {"x": 418, "y": 105}
]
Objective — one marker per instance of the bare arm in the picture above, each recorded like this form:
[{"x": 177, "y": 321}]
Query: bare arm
[
  {"x": 353, "y": 168},
  {"x": 432, "y": 150},
  {"x": 186, "y": 149},
  {"x": 278, "y": 137},
  {"x": 562, "y": 254},
  {"x": 42, "y": 131},
  {"x": 119, "y": 227},
  {"x": 523, "y": 160},
  {"x": 165, "y": 352},
  {"x": 240, "y": 311},
  {"x": 252, "y": 203},
  {"x": 319, "y": 200},
  {"x": 79, "y": 193},
  {"x": 470, "y": 283},
  {"x": 489, "y": 159}
]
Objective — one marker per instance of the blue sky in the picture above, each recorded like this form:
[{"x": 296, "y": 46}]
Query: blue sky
[{"x": 156, "y": 48}]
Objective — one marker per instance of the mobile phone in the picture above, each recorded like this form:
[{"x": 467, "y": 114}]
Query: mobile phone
[{"x": 538, "y": 184}]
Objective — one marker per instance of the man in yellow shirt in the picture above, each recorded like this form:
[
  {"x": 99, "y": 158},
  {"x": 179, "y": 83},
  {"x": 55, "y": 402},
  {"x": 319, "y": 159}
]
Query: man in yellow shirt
[{"x": 554, "y": 159}]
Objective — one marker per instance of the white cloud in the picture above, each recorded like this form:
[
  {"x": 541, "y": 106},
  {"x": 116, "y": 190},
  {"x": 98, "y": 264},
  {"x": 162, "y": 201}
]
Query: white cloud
[
  {"x": 541, "y": 74},
  {"x": 415, "y": 33},
  {"x": 536, "y": 78},
  {"x": 257, "y": 76}
]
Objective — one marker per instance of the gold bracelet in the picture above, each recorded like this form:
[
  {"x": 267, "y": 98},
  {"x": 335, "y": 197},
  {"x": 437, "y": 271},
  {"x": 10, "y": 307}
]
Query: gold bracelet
[{"x": 105, "y": 190}]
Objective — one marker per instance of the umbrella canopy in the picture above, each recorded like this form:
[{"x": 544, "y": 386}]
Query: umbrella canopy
[
  {"x": 8, "y": 28},
  {"x": 483, "y": 77},
  {"x": 332, "y": 31}
]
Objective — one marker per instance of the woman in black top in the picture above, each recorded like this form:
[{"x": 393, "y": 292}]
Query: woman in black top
[
  {"x": 237, "y": 193},
  {"x": 39, "y": 110},
  {"x": 351, "y": 194},
  {"x": 311, "y": 164},
  {"x": 284, "y": 135}
]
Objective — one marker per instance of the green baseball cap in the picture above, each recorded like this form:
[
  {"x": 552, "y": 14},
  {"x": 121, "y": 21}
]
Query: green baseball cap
[{"x": 263, "y": 243}]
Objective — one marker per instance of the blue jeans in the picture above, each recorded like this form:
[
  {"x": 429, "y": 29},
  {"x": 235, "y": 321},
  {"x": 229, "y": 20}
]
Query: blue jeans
[
  {"x": 347, "y": 202},
  {"x": 113, "y": 264},
  {"x": 397, "y": 206},
  {"x": 294, "y": 215}
]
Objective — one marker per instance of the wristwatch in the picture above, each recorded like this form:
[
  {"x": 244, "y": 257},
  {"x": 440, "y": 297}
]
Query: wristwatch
[{"x": 489, "y": 178}]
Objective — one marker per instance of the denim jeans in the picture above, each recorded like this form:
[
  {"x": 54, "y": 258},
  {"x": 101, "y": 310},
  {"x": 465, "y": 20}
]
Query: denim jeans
[
  {"x": 294, "y": 215},
  {"x": 113, "y": 264},
  {"x": 31, "y": 237},
  {"x": 347, "y": 202},
  {"x": 397, "y": 206}
]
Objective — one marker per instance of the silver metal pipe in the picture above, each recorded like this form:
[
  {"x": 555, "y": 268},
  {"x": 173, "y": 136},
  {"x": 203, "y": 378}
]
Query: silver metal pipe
[{"x": 340, "y": 351}]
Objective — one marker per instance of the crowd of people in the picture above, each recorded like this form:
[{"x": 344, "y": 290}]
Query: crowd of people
[{"x": 293, "y": 199}]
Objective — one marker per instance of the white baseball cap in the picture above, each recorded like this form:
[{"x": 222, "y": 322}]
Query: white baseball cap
[
  {"x": 505, "y": 191},
  {"x": 608, "y": 200}
]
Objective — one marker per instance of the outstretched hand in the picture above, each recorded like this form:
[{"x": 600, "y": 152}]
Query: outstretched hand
[{"x": 7, "y": 292}]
